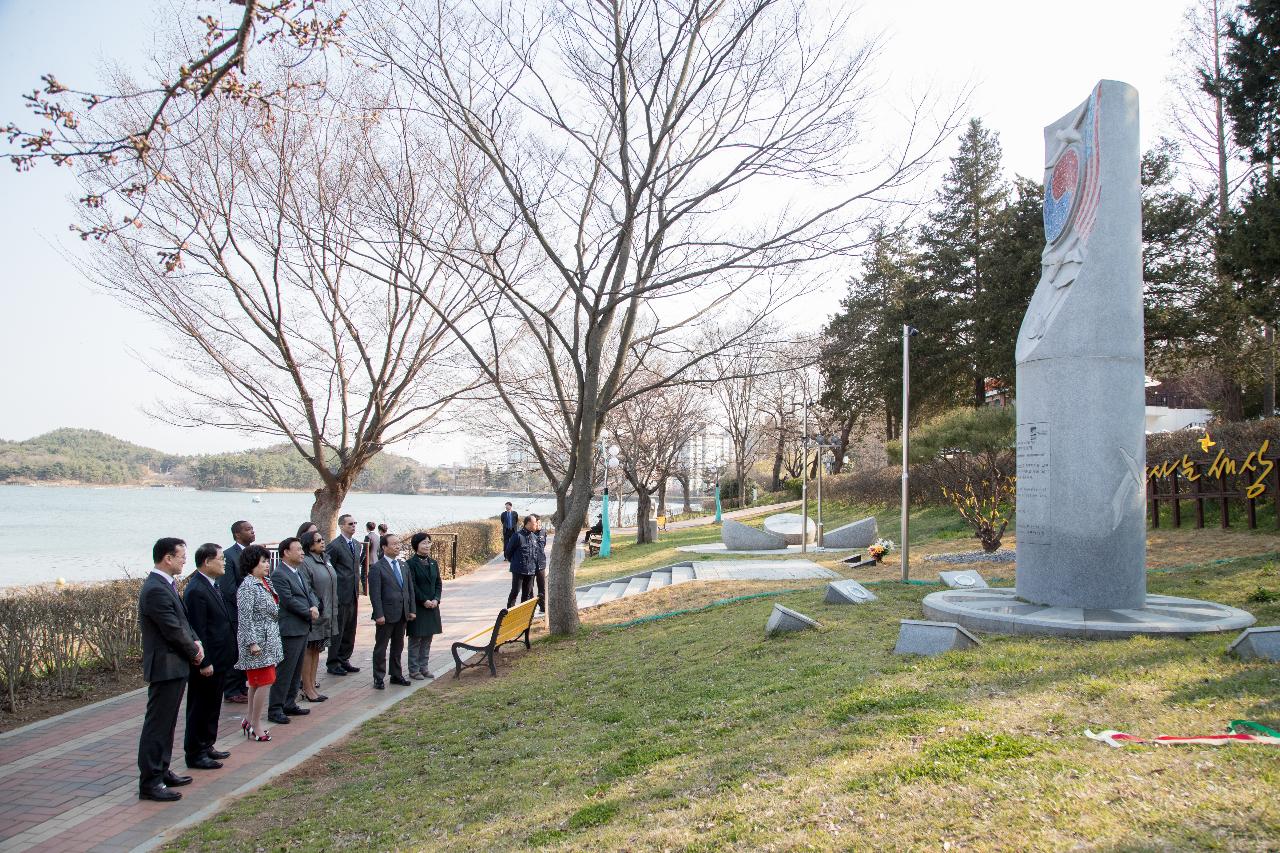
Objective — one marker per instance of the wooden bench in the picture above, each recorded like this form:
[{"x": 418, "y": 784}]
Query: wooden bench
[
  {"x": 593, "y": 545},
  {"x": 510, "y": 626}
]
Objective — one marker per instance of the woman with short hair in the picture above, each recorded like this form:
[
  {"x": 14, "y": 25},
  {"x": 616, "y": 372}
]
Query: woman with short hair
[
  {"x": 426, "y": 593},
  {"x": 324, "y": 583},
  {"x": 257, "y": 636}
]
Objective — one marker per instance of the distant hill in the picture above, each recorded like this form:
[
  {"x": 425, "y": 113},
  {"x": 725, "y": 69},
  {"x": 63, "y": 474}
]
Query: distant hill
[{"x": 89, "y": 456}]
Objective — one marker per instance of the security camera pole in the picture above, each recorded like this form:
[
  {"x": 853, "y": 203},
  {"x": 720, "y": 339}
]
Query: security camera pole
[{"x": 907, "y": 334}]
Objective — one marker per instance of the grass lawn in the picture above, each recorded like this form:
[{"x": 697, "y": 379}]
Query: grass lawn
[{"x": 694, "y": 732}]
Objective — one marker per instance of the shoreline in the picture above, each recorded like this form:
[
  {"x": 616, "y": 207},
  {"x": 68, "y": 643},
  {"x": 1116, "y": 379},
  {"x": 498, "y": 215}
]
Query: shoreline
[{"x": 274, "y": 490}]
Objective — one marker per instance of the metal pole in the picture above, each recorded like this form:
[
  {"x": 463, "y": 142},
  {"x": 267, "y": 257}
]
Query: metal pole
[
  {"x": 804, "y": 481},
  {"x": 819, "y": 492},
  {"x": 906, "y": 397}
]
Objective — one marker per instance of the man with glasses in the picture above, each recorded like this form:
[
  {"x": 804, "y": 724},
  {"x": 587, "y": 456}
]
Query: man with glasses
[{"x": 345, "y": 555}]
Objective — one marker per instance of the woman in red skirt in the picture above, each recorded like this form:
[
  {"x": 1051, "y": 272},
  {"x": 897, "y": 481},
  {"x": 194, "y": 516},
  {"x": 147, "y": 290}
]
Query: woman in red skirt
[{"x": 258, "y": 636}]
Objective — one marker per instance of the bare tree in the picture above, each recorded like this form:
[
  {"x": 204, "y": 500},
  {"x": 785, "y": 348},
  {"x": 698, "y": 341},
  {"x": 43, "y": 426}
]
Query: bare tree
[
  {"x": 130, "y": 155},
  {"x": 636, "y": 155},
  {"x": 651, "y": 430},
  {"x": 244, "y": 252},
  {"x": 738, "y": 391}
]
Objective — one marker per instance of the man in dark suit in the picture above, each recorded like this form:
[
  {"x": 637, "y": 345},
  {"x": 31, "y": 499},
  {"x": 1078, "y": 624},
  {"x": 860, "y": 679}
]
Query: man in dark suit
[
  {"x": 391, "y": 593},
  {"x": 370, "y": 555},
  {"x": 214, "y": 628},
  {"x": 299, "y": 607},
  {"x": 510, "y": 522},
  {"x": 168, "y": 653},
  {"x": 235, "y": 688},
  {"x": 344, "y": 554}
]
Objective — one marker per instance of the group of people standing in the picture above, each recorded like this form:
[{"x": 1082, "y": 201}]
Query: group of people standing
[
  {"x": 251, "y": 630},
  {"x": 525, "y": 548}
]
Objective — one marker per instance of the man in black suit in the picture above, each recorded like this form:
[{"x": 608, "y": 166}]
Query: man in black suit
[
  {"x": 370, "y": 555},
  {"x": 510, "y": 521},
  {"x": 391, "y": 593},
  {"x": 299, "y": 607},
  {"x": 235, "y": 688},
  {"x": 344, "y": 554},
  {"x": 214, "y": 628},
  {"x": 168, "y": 653}
]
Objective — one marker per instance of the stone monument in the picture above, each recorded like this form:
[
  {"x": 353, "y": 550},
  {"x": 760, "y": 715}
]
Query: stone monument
[{"x": 1081, "y": 534}]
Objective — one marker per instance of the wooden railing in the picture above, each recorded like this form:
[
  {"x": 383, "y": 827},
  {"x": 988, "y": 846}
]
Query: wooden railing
[{"x": 1221, "y": 490}]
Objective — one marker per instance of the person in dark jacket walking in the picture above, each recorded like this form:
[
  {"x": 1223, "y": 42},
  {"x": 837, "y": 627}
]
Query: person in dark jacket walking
[
  {"x": 510, "y": 521},
  {"x": 426, "y": 594},
  {"x": 215, "y": 628},
  {"x": 526, "y": 552}
]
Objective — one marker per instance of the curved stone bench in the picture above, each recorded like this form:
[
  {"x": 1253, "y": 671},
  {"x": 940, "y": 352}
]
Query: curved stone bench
[
  {"x": 858, "y": 534},
  {"x": 740, "y": 537},
  {"x": 788, "y": 525}
]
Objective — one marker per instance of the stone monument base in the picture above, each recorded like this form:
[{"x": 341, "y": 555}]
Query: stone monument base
[{"x": 1000, "y": 611}]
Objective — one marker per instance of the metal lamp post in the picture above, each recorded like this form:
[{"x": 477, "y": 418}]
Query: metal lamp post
[
  {"x": 908, "y": 332},
  {"x": 610, "y": 462},
  {"x": 804, "y": 481}
]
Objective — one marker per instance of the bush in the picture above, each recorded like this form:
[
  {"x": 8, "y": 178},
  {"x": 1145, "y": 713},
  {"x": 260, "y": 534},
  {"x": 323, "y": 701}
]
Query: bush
[
  {"x": 479, "y": 541},
  {"x": 1237, "y": 439}
]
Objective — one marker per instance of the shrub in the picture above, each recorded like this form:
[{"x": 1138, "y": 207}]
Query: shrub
[
  {"x": 479, "y": 541},
  {"x": 1237, "y": 439}
]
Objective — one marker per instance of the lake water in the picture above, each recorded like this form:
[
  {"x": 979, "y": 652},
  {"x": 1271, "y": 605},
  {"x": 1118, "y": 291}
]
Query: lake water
[{"x": 87, "y": 533}]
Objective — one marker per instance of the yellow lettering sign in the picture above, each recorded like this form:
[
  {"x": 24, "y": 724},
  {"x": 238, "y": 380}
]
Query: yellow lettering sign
[
  {"x": 1255, "y": 465},
  {"x": 1259, "y": 485}
]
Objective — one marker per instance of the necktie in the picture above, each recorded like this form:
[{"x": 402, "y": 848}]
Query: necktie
[
  {"x": 395, "y": 565},
  {"x": 351, "y": 543}
]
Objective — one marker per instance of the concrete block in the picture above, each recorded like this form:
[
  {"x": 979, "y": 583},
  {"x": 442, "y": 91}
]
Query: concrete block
[
  {"x": 857, "y": 534},
  {"x": 1262, "y": 643},
  {"x": 920, "y": 637},
  {"x": 789, "y": 524},
  {"x": 784, "y": 620},
  {"x": 739, "y": 537},
  {"x": 848, "y": 592},
  {"x": 966, "y": 579}
]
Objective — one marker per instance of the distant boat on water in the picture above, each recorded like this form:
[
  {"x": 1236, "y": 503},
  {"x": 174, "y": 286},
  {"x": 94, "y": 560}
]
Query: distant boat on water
[{"x": 257, "y": 500}]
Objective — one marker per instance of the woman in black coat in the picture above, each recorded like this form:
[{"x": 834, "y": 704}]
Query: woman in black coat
[
  {"x": 527, "y": 554},
  {"x": 426, "y": 593}
]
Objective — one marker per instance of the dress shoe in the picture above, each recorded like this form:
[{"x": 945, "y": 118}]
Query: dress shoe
[
  {"x": 239, "y": 699},
  {"x": 278, "y": 719},
  {"x": 336, "y": 669},
  {"x": 159, "y": 793},
  {"x": 173, "y": 780},
  {"x": 349, "y": 668},
  {"x": 217, "y": 754},
  {"x": 400, "y": 680},
  {"x": 320, "y": 697},
  {"x": 204, "y": 762},
  {"x": 296, "y": 711},
  {"x": 378, "y": 685}
]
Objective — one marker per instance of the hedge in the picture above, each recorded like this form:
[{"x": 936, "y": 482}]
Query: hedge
[{"x": 479, "y": 541}]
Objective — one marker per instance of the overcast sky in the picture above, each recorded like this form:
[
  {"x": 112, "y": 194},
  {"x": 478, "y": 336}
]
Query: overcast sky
[{"x": 73, "y": 357}]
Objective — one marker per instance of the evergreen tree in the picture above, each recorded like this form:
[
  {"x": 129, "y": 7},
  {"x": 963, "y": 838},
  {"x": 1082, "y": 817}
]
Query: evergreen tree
[
  {"x": 1011, "y": 278},
  {"x": 958, "y": 246}
]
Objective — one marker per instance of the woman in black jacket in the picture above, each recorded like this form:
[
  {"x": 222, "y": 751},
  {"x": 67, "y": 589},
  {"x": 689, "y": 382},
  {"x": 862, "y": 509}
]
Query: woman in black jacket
[{"x": 526, "y": 551}]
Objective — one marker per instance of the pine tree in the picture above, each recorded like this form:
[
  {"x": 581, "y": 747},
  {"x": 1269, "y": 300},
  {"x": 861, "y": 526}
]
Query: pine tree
[
  {"x": 958, "y": 245},
  {"x": 1012, "y": 275}
]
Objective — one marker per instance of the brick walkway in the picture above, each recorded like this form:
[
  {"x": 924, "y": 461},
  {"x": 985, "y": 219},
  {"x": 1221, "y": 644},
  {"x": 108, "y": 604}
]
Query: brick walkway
[{"x": 71, "y": 782}]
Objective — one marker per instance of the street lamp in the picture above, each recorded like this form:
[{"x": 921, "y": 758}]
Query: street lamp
[
  {"x": 908, "y": 332},
  {"x": 611, "y": 461},
  {"x": 823, "y": 443}
]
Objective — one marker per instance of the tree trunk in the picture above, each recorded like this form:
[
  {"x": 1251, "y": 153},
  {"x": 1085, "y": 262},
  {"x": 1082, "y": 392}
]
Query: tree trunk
[
  {"x": 1232, "y": 399},
  {"x": 684, "y": 489},
  {"x": 979, "y": 390},
  {"x": 776, "y": 483},
  {"x": 842, "y": 449},
  {"x": 741, "y": 471},
  {"x": 644, "y": 504},
  {"x": 325, "y": 508},
  {"x": 662, "y": 492},
  {"x": 1269, "y": 365}
]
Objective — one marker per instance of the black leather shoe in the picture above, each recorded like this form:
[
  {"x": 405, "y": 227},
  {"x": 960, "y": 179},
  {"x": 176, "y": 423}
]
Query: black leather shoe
[
  {"x": 400, "y": 680},
  {"x": 378, "y": 685},
  {"x": 217, "y": 754},
  {"x": 159, "y": 793},
  {"x": 297, "y": 711},
  {"x": 204, "y": 762},
  {"x": 349, "y": 668},
  {"x": 173, "y": 780},
  {"x": 278, "y": 719},
  {"x": 320, "y": 697},
  {"x": 336, "y": 669}
]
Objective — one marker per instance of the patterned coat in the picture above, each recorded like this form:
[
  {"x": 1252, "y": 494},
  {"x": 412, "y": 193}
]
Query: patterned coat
[{"x": 259, "y": 616}]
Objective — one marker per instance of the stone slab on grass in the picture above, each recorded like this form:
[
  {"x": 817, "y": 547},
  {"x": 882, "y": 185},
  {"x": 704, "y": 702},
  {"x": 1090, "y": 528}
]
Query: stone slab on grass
[
  {"x": 963, "y": 579},
  {"x": 784, "y": 620},
  {"x": 857, "y": 534},
  {"x": 1262, "y": 643},
  {"x": 741, "y": 537},
  {"x": 921, "y": 637},
  {"x": 789, "y": 524},
  {"x": 848, "y": 592}
]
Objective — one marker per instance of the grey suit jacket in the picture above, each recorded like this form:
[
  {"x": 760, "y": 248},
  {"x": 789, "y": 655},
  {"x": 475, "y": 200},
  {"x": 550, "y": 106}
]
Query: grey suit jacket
[
  {"x": 296, "y": 600},
  {"x": 390, "y": 600}
]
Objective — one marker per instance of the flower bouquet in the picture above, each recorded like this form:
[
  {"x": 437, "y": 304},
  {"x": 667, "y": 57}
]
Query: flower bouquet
[{"x": 880, "y": 548}]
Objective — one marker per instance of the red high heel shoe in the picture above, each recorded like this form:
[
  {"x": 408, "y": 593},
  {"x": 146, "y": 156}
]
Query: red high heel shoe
[{"x": 250, "y": 734}]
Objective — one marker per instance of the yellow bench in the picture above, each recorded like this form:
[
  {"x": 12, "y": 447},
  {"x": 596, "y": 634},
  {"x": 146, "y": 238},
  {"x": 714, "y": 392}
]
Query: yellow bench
[{"x": 511, "y": 625}]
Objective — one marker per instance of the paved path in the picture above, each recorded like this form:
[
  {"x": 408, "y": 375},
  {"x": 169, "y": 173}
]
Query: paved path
[
  {"x": 71, "y": 782},
  {"x": 705, "y": 520}
]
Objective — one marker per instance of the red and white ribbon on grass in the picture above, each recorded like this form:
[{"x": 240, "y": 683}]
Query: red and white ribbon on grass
[{"x": 1240, "y": 731}]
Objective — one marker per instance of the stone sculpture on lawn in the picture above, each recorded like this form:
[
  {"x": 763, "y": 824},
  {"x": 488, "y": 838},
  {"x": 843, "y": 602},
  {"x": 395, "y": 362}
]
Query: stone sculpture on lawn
[{"x": 1081, "y": 539}]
